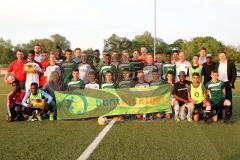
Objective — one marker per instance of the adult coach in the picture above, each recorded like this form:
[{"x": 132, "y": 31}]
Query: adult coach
[
  {"x": 17, "y": 67},
  {"x": 181, "y": 65},
  {"x": 227, "y": 74},
  {"x": 38, "y": 56}
]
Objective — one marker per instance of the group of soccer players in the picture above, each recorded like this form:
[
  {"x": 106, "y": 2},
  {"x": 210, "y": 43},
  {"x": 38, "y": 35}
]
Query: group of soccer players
[{"x": 197, "y": 92}]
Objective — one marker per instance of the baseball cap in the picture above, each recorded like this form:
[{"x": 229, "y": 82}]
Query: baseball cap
[{"x": 209, "y": 55}]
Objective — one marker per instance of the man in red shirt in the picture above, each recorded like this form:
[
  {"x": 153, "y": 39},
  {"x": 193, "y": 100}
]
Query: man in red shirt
[
  {"x": 17, "y": 67},
  {"x": 43, "y": 64},
  {"x": 14, "y": 103}
]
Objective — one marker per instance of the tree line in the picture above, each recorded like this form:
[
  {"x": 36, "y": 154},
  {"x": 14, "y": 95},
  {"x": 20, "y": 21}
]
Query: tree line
[{"x": 119, "y": 44}]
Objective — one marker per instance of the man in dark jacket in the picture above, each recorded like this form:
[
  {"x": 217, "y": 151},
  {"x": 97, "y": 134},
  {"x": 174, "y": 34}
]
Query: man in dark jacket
[{"x": 227, "y": 73}]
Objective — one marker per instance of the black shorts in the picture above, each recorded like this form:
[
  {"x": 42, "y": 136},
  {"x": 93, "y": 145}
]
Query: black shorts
[
  {"x": 198, "y": 108},
  {"x": 180, "y": 103},
  {"x": 31, "y": 110},
  {"x": 217, "y": 107},
  {"x": 12, "y": 110}
]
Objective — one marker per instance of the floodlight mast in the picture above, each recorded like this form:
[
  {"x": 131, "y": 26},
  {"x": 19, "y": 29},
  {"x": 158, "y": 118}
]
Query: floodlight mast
[{"x": 155, "y": 28}]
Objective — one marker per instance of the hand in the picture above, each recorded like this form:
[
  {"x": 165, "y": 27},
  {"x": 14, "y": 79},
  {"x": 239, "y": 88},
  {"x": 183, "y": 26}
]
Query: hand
[
  {"x": 5, "y": 80},
  {"x": 193, "y": 101},
  {"x": 29, "y": 105},
  {"x": 185, "y": 101}
]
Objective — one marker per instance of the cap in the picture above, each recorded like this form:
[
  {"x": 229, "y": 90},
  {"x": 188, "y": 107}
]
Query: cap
[{"x": 209, "y": 55}]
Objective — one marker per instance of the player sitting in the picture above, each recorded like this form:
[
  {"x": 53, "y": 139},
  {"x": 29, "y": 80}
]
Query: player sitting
[
  {"x": 216, "y": 90},
  {"x": 14, "y": 103},
  {"x": 36, "y": 102},
  {"x": 180, "y": 93},
  {"x": 198, "y": 96},
  {"x": 75, "y": 82}
]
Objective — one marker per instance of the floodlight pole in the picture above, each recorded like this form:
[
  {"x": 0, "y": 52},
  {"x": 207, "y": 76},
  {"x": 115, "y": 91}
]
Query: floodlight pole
[{"x": 155, "y": 28}]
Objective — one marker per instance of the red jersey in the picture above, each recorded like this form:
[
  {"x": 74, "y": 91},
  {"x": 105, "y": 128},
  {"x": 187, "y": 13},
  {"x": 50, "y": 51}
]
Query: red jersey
[
  {"x": 42, "y": 78},
  {"x": 17, "y": 67},
  {"x": 15, "y": 97}
]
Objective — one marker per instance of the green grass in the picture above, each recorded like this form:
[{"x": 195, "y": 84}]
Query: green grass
[
  {"x": 43, "y": 140},
  {"x": 171, "y": 140},
  {"x": 126, "y": 140}
]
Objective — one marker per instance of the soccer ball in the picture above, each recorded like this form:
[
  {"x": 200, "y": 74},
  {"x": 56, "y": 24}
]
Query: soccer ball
[
  {"x": 10, "y": 79},
  {"x": 227, "y": 103},
  {"x": 102, "y": 121},
  {"x": 37, "y": 103},
  {"x": 29, "y": 68}
]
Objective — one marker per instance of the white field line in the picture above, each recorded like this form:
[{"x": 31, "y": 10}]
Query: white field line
[{"x": 96, "y": 141}]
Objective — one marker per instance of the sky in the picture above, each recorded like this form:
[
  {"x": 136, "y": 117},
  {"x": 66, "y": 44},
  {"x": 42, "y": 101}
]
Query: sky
[{"x": 86, "y": 23}]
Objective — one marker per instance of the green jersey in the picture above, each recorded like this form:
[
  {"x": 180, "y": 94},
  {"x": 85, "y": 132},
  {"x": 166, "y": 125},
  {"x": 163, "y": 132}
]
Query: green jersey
[
  {"x": 215, "y": 91},
  {"x": 74, "y": 85},
  {"x": 156, "y": 83},
  {"x": 106, "y": 68},
  {"x": 97, "y": 63},
  {"x": 115, "y": 64},
  {"x": 108, "y": 85},
  {"x": 67, "y": 68},
  {"x": 125, "y": 84},
  {"x": 167, "y": 66},
  {"x": 122, "y": 66},
  {"x": 76, "y": 60},
  {"x": 195, "y": 69}
]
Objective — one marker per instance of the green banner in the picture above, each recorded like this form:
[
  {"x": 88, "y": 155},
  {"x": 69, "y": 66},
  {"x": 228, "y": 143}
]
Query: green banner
[{"x": 89, "y": 103}]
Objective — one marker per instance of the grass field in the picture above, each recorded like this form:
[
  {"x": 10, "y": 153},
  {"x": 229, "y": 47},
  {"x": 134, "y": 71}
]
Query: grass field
[{"x": 157, "y": 139}]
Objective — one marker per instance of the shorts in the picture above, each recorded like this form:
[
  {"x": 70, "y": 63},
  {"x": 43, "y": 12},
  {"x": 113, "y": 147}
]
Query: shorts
[
  {"x": 198, "y": 108},
  {"x": 217, "y": 107}
]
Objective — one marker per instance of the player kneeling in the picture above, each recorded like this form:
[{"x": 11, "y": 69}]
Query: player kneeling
[
  {"x": 14, "y": 103},
  {"x": 216, "y": 91},
  {"x": 109, "y": 81},
  {"x": 181, "y": 99},
  {"x": 198, "y": 96},
  {"x": 36, "y": 102}
]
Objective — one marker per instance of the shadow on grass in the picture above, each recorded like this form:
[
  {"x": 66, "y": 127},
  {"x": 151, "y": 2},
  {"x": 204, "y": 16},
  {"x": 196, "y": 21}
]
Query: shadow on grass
[{"x": 233, "y": 157}]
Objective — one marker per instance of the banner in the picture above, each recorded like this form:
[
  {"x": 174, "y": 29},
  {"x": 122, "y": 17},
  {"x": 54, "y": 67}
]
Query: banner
[{"x": 89, "y": 103}]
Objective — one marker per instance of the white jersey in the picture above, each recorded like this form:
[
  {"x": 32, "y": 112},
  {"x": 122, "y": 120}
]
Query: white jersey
[
  {"x": 92, "y": 86},
  {"x": 182, "y": 67},
  {"x": 50, "y": 69},
  {"x": 147, "y": 70},
  {"x": 32, "y": 77},
  {"x": 84, "y": 69},
  {"x": 38, "y": 58},
  {"x": 142, "y": 85}
]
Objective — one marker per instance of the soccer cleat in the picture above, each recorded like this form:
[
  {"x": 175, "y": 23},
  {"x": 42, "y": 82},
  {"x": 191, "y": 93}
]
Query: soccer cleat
[
  {"x": 189, "y": 119},
  {"x": 51, "y": 117},
  {"x": 30, "y": 118},
  {"x": 177, "y": 119},
  {"x": 39, "y": 118},
  {"x": 227, "y": 121}
]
